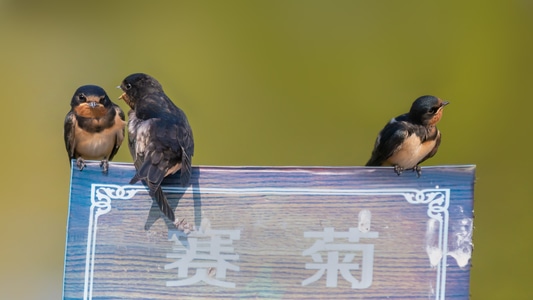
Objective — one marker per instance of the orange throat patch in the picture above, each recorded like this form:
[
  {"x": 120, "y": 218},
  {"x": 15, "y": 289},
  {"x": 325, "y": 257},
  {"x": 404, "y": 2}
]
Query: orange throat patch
[
  {"x": 84, "y": 110},
  {"x": 436, "y": 118}
]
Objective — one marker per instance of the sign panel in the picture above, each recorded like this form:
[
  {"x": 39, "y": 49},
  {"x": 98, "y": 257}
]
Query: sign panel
[{"x": 272, "y": 233}]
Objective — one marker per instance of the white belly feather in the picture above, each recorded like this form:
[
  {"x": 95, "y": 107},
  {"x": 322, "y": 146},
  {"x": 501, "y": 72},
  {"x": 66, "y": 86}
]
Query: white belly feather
[
  {"x": 98, "y": 145},
  {"x": 411, "y": 152}
]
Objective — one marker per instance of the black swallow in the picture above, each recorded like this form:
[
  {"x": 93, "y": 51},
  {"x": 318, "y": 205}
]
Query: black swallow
[
  {"x": 409, "y": 139},
  {"x": 160, "y": 137},
  {"x": 94, "y": 127}
]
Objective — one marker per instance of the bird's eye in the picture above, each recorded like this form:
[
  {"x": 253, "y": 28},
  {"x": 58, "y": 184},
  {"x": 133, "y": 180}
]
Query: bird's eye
[
  {"x": 82, "y": 97},
  {"x": 433, "y": 110},
  {"x": 128, "y": 86}
]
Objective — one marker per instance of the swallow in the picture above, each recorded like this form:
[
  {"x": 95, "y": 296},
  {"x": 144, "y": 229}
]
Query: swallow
[
  {"x": 94, "y": 127},
  {"x": 411, "y": 138},
  {"x": 160, "y": 138}
]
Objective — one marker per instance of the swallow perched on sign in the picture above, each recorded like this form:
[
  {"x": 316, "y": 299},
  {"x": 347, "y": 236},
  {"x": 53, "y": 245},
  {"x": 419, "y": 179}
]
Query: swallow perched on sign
[
  {"x": 409, "y": 139},
  {"x": 160, "y": 137},
  {"x": 94, "y": 127}
]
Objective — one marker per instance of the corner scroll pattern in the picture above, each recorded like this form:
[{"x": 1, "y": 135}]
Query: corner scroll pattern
[
  {"x": 101, "y": 198},
  {"x": 438, "y": 201}
]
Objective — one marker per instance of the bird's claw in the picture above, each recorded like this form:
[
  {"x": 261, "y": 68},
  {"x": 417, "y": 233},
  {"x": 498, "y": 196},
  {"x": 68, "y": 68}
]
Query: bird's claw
[
  {"x": 80, "y": 163},
  {"x": 418, "y": 170},
  {"x": 183, "y": 226},
  {"x": 104, "y": 164},
  {"x": 398, "y": 170}
]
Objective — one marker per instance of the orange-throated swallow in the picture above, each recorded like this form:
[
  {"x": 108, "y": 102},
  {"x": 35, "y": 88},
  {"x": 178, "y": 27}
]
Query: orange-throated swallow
[
  {"x": 409, "y": 139},
  {"x": 94, "y": 127},
  {"x": 160, "y": 137}
]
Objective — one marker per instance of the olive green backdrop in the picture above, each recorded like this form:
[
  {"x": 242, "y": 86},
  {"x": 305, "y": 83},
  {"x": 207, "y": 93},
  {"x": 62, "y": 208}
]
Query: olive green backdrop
[{"x": 272, "y": 83}]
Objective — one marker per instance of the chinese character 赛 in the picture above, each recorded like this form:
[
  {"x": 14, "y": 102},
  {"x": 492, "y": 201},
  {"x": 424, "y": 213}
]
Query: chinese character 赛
[{"x": 208, "y": 253}]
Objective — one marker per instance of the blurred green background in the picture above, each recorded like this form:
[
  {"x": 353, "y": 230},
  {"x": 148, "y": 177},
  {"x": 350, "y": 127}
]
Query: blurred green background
[{"x": 272, "y": 83}]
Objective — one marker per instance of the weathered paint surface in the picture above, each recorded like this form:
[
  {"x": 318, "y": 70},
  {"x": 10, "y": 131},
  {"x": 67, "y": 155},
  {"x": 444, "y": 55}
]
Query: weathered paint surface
[{"x": 272, "y": 233}]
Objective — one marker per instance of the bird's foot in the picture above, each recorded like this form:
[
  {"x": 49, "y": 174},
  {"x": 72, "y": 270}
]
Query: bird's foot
[
  {"x": 104, "y": 164},
  {"x": 418, "y": 170},
  {"x": 183, "y": 226},
  {"x": 398, "y": 170},
  {"x": 80, "y": 163}
]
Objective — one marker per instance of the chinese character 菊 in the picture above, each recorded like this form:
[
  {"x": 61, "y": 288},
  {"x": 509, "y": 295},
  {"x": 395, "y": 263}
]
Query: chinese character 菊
[{"x": 338, "y": 252}]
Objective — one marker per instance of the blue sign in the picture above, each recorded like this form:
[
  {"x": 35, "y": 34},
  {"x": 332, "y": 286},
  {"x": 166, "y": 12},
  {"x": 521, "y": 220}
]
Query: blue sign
[{"x": 272, "y": 233}]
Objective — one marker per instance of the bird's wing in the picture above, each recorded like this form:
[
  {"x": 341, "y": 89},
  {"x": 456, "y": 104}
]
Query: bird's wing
[
  {"x": 132, "y": 132},
  {"x": 152, "y": 156},
  {"x": 434, "y": 150},
  {"x": 388, "y": 142},
  {"x": 70, "y": 142},
  {"x": 186, "y": 143},
  {"x": 120, "y": 135}
]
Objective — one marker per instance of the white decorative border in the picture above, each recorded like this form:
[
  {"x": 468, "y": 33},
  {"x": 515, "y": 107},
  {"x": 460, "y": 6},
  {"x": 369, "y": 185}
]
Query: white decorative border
[
  {"x": 101, "y": 196},
  {"x": 437, "y": 200}
]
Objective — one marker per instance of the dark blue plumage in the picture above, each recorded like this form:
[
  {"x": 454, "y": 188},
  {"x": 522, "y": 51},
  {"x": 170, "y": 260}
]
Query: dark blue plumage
[
  {"x": 411, "y": 138},
  {"x": 160, "y": 137}
]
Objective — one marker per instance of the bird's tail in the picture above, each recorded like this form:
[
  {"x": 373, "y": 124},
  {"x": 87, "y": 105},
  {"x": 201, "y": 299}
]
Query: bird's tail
[
  {"x": 135, "y": 179},
  {"x": 372, "y": 163},
  {"x": 162, "y": 202},
  {"x": 155, "y": 192}
]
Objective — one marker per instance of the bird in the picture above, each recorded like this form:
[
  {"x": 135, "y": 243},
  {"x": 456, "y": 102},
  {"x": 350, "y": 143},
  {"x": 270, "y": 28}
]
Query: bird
[
  {"x": 94, "y": 127},
  {"x": 160, "y": 138},
  {"x": 411, "y": 138}
]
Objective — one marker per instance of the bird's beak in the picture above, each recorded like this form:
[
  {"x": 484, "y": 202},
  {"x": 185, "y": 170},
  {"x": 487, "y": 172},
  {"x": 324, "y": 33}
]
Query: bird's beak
[
  {"x": 121, "y": 97},
  {"x": 444, "y": 103},
  {"x": 92, "y": 104}
]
